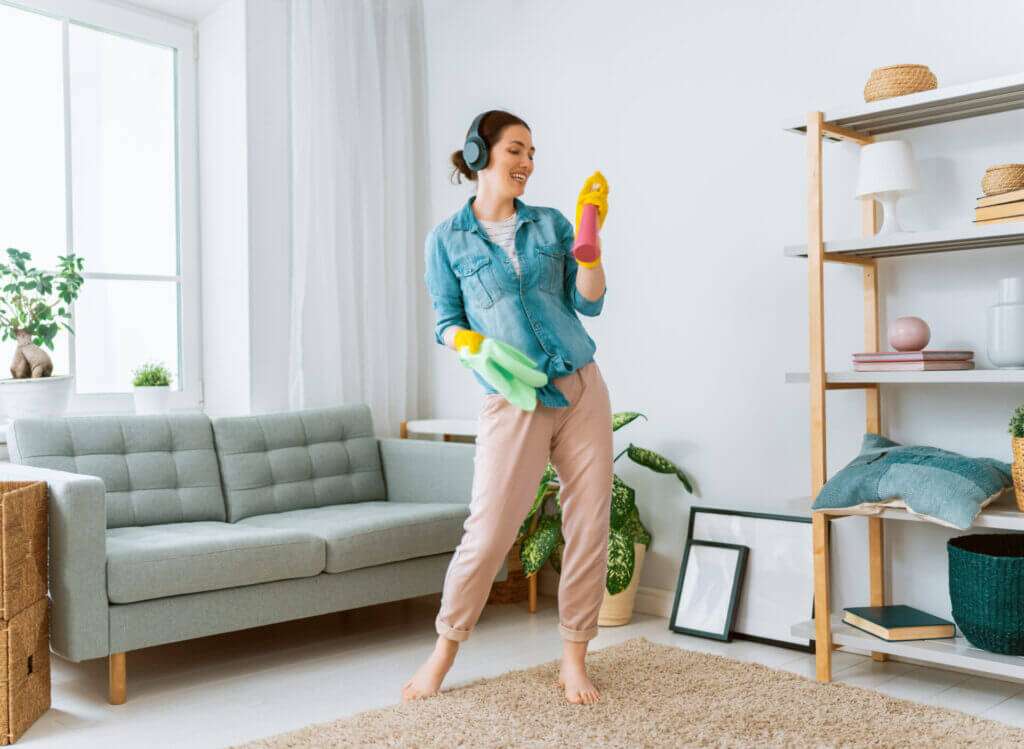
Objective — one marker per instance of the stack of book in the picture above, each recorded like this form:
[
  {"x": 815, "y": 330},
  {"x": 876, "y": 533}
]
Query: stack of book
[
  {"x": 912, "y": 361},
  {"x": 899, "y": 623},
  {"x": 1000, "y": 209}
]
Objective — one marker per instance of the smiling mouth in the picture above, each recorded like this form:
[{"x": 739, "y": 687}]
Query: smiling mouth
[{"x": 519, "y": 177}]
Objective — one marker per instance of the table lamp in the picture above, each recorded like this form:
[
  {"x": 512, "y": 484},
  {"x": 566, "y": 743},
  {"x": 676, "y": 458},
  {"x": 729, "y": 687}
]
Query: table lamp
[{"x": 886, "y": 171}]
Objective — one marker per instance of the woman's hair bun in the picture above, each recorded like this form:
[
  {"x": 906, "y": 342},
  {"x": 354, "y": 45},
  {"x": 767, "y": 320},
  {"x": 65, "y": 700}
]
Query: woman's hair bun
[{"x": 460, "y": 169}]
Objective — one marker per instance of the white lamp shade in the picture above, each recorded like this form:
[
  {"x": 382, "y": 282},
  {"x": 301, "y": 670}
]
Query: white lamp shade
[{"x": 886, "y": 166}]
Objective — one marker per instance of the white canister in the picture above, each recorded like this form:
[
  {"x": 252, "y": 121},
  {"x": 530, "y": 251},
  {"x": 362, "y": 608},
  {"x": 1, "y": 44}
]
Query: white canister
[
  {"x": 150, "y": 399},
  {"x": 1006, "y": 326}
]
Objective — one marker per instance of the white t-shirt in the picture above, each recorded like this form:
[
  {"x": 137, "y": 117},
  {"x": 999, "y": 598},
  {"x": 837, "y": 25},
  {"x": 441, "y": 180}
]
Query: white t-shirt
[{"x": 503, "y": 234}]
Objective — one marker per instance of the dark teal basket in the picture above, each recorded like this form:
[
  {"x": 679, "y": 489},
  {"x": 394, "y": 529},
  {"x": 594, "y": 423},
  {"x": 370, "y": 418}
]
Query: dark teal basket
[{"x": 986, "y": 588}]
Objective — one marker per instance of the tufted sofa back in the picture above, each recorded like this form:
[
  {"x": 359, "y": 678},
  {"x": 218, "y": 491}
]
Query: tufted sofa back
[
  {"x": 298, "y": 459},
  {"x": 156, "y": 469}
]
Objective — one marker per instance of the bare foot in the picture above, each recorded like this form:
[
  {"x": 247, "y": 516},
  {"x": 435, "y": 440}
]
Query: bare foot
[
  {"x": 572, "y": 675},
  {"x": 427, "y": 680}
]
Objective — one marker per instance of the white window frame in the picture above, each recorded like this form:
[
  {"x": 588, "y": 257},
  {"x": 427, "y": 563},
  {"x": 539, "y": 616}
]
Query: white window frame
[{"x": 180, "y": 36}]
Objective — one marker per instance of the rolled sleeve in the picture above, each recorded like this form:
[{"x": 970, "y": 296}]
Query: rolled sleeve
[
  {"x": 444, "y": 289},
  {"x": 587, "y": 307}
]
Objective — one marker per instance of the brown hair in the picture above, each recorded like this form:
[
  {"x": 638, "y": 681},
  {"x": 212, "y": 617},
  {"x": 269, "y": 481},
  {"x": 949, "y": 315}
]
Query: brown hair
[{"x": 492, "y": 125}]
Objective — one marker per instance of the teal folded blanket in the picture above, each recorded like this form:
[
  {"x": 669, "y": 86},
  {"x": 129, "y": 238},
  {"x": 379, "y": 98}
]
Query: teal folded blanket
[{"x": 944, "y": 486}]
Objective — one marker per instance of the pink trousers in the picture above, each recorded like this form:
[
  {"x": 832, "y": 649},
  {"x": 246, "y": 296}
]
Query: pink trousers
[{"x": 512, "y": 450}]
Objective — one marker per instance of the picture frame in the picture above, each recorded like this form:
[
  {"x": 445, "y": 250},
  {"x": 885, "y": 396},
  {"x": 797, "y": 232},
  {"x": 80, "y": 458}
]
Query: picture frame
[
  {"x": 710, "y": 580},
  {"x": 779, "y": 578}
]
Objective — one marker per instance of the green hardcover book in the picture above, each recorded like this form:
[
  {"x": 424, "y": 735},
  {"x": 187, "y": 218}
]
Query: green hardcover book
[{"x": 898, "y": 623}]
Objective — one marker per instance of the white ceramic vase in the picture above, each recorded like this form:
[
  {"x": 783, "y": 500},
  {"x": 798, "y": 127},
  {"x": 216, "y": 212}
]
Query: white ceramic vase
[
  {"x": 35, "y": 396},
  {"x": 1006, "y": 326},
  {"x": 150, "y": 399}
]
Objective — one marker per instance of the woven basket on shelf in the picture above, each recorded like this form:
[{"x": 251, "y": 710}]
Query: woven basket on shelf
[
  {"x": 1018, "y": 471},
  {"x": 986, "y": 588},
  {"x": 1003, "y": 178},
  {"x": 24, "y": 607},
  {"x": 516, "y": 588},
  {"x": 898, "y": 80}
]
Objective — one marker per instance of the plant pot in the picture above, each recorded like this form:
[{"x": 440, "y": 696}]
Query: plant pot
[
  {"x": 35, "y": 396},
  {"x": 617, "y": 609},
  {"x": 1018, "y": 471},
  {"x": 151, "y": 399}
]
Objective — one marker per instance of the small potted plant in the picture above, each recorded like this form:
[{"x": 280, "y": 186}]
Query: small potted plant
[
  {"x": 34, "y": 306},
  {"x": 1016, "y": 429},
  {"x": 541, "y": 539},
  {"x": 150, "y": 385}
]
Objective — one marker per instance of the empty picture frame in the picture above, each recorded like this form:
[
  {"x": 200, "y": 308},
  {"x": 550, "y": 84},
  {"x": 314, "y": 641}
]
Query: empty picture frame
[
  {"x": 779, "y": 580},
  {"x": 710, "y": 579}
]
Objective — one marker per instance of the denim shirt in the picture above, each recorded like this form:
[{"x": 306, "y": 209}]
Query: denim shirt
[{"x": 473, "y": 284}]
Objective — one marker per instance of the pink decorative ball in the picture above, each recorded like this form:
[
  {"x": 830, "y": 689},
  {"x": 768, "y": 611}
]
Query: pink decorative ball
[{"x": 909, "y": 334}]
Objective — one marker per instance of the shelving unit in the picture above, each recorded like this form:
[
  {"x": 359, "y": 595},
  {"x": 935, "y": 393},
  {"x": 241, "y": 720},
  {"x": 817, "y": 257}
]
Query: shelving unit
[{"x": 859, "y": 124}]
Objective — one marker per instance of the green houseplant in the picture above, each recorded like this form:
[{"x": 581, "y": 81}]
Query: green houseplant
[
  {"x": 34, "y": 305},
  {"x": 151, "y": 383},
  {"x": 540, "y": 535}
]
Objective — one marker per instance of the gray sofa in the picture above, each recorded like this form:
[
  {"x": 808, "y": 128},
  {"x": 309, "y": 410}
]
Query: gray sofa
[{"x": 167, "y": 528}]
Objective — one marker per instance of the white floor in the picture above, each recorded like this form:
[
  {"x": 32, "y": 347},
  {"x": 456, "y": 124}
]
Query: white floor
[{"x": 227, "y": 689}]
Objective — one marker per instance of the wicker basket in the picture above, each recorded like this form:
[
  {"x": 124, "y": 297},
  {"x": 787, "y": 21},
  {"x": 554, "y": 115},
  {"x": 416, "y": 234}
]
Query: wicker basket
[
  {"x": 24, "y": 670},
  {"x": 986, "y": 588},
  {"x": 1018, "y": 471},
  {"x": 1003, "y": 178},
  {"x": 23, "y": 531},
  {"x": 516, "y": 588},
  {"x": 898, "y": 80}
]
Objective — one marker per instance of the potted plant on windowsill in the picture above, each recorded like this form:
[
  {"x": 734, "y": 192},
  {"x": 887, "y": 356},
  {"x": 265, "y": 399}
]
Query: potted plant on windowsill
[
  {"x": 34, "y": 305},
  {"x": 150, "y": 385},
  {"x": 541, "y": 539}
]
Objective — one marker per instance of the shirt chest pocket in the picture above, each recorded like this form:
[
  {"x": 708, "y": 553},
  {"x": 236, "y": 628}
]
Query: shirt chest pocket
[
  {"x": 551, "y": 268},
  {"x": 476, "y": 278}
]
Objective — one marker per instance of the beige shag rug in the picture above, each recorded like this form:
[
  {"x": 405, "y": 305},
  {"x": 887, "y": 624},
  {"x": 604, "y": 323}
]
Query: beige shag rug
[{"x": 656, "y": 696}]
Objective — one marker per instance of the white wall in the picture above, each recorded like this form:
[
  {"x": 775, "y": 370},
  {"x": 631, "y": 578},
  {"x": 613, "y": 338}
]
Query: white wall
[
  {"x": 246, "y": 234},
  {"x": 681, "y": 106}
]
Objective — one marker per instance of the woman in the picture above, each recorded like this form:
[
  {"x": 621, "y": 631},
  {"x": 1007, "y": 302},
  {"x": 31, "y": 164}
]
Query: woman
[{"x": 502, "y": 268}]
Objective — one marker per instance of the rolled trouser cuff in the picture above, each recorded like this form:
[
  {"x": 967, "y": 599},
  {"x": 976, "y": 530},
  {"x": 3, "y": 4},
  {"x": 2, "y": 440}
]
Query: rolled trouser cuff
[
  {"x": 452, "y": 633},
  {"x": 577, "y": 635}
]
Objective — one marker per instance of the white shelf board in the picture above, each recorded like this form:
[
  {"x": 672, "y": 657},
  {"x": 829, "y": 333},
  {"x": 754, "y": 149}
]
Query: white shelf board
[
  {"x": 968, "y": 376},
  {"x": 1002, "y": 514},
  {"x": 896, "y": 244},
  {"x": 956, "y": 652},
  {"x": 943, "y": 104}
]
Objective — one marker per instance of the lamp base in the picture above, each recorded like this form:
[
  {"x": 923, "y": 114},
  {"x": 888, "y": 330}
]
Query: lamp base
[{"x": 890, "y": 219}]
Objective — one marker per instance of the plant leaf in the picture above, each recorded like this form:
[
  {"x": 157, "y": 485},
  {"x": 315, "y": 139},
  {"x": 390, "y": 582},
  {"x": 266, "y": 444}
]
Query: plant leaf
[
  {"x": 537, "y": 547},
  {"x": 620, "y": 420},
  {"x": 658, "y": 463},
  {"x": 621, "y": 561},
  {"x": 623, "y": 501}
]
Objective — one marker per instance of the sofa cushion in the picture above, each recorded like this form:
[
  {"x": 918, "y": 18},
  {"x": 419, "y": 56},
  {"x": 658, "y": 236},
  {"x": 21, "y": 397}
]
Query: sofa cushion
[
  {"x": 157, "y": 561},
  {"x": 298, "y": 460},
  {"x": 156, "y": 469},
  {"x": 364, "y": 534}
]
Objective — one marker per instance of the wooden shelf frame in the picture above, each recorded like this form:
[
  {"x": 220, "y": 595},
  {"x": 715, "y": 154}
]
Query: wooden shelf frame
[{"x": 859, "y": 125}]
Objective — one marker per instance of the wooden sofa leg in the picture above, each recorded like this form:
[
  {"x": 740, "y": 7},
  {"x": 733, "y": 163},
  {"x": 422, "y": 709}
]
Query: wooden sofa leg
[{"x": 118, "y": 679}]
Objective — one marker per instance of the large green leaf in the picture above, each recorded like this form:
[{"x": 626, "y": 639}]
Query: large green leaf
[
  {"x": 635, "y": 529},
  {"x": 537, "y": 547},
  {"x": 556, "y": 557},
  {"x": 544, "y": 491},
  {"x": 657, "y": 463},
  {"x": 623, "y": 501},
  {"x": 622, "y": 418},
  {"x": 621, "y": 561}
]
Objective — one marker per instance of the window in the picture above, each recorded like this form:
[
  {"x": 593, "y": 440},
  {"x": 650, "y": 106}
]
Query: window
[{"x": 97, "y": 156}]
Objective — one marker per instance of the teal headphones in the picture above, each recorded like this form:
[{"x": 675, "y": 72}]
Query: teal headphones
[{"x": 475, "y": 152}]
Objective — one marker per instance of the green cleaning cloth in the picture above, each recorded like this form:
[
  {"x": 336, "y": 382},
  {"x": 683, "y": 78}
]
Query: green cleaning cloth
[{"x": 508, "y": 370}]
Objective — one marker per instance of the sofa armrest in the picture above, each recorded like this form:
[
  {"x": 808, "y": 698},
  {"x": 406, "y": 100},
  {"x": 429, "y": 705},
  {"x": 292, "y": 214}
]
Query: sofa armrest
[
  {"x": 79, "y": 618},
  {"x": 426, "y": 471}
]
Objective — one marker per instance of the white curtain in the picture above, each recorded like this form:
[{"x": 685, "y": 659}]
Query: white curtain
[{"x": 358, "y": 204}]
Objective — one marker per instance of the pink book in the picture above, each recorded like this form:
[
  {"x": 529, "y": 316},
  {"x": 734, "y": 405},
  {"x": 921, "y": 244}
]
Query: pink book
[
  {"x": 926, "y": 355},
  {"x": 911, "y": 366}
]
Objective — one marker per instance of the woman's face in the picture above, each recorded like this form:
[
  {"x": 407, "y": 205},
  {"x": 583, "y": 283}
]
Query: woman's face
[{"x": 511, "y": 162}]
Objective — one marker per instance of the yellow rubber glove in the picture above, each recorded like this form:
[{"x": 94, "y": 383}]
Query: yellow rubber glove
[{"x": 594, "y": 192}]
